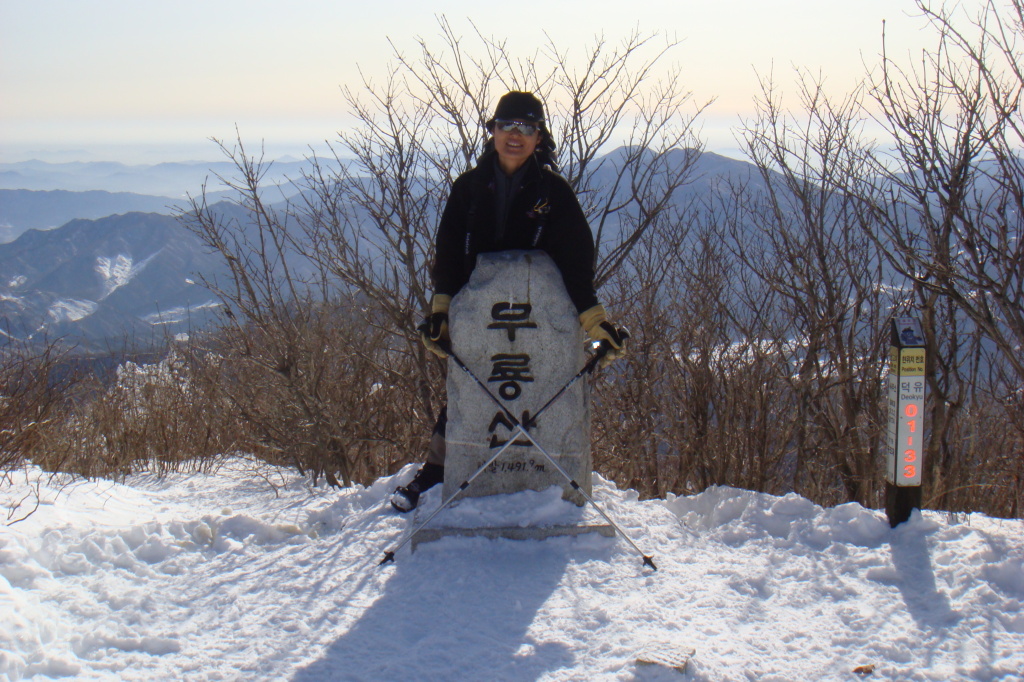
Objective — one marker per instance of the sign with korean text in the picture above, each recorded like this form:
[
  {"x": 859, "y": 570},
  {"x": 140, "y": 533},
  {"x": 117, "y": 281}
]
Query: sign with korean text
[
  {"x": 906, "y": 381},
  {"x": 515, "y": 327}
]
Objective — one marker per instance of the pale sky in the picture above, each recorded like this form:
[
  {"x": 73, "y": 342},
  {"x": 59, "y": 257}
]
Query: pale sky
[{"x": 149, "y": 80}]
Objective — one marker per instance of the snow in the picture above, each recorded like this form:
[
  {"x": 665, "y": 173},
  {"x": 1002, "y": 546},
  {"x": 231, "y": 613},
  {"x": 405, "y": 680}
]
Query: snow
[
  {"x": 118, "y": 270},
  {"x": 249, "y": 574},
  {"x": 179, "y": 314},
  {"x": 71, "y": 310}
]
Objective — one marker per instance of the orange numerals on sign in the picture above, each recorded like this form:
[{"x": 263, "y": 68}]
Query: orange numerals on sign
[
  {"x": 909, "y": 471},
  {"x": 910, "y": 410},
  {"x": 910, "y": 455}
]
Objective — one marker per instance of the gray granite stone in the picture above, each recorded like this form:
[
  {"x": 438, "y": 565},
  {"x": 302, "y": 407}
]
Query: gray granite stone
[{"x": 515, "y": 327}]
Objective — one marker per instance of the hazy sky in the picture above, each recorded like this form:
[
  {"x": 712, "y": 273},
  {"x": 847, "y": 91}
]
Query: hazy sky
[{"x": 133, "y": 80}]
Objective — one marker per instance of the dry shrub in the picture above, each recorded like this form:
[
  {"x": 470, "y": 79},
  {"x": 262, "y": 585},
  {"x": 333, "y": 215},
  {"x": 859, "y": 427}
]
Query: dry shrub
[
  {"x": 36, "y": 386},
  {"x": 147, "y": 416},
  {"x": 330, "y": 396},
  {"x": 335, "y": 397}
]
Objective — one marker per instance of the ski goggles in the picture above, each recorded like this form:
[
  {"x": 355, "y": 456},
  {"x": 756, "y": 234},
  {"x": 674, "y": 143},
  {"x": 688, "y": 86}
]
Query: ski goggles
[{"x": 508, "y": 126}]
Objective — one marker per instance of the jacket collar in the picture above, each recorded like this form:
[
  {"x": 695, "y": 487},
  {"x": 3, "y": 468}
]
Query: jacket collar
[{"x": 487, "y": 167}]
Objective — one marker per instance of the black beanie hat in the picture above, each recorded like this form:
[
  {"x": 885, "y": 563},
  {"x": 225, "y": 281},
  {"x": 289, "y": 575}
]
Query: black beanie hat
[{"x": 519, "y": 106}]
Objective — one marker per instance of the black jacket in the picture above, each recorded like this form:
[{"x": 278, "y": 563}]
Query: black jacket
[{"x": 544, "y": 215}]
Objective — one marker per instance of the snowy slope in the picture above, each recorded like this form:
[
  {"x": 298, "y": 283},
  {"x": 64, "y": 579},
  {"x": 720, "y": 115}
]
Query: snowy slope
[{"x": 250, "y": 575}]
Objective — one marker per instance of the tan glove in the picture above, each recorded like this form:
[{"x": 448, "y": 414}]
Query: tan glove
[
  {"x": 434, "y": 330},
  {"x": 613, "y": 339}
]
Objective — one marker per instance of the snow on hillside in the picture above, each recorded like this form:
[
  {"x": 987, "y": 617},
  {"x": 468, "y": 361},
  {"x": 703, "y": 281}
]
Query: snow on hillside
[
  {"x": 71, "y": 310},
  {"x": 179, "y": 314},
  {"x": 118, "y": 271},
  {"x": 248, "y": 574}
]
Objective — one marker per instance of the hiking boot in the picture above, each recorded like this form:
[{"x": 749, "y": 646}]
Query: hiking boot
[{"x": 405, "y": 498}]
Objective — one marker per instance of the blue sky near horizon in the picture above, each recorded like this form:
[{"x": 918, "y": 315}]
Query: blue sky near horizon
[{"x": 144, "y": 81}]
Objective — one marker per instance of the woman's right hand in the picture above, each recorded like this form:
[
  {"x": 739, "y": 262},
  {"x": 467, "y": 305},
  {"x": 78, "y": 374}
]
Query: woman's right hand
[
  {"x": 434, "y": 334},
  {"x": 434, "y": 330}
]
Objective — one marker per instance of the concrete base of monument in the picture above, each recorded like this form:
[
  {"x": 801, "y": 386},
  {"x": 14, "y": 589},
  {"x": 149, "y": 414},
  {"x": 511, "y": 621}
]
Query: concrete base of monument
[
  {"x": 524, "y": 515},
  {"x": 509, "y": 533}
]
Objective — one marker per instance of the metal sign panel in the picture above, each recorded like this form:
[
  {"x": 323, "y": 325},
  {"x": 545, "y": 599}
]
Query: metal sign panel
[{"x": 905, "y": 437}]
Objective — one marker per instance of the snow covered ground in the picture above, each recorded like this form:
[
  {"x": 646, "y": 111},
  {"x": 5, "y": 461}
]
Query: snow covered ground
[{"x": 248, "y": 574}]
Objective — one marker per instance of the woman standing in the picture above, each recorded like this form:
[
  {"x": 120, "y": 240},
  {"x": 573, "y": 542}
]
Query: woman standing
[{"x": 512, "y": 200}]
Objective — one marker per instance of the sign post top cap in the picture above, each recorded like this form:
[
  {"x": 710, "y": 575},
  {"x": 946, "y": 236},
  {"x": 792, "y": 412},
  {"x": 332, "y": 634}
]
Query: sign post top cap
[{"x": 906, "y": 332}]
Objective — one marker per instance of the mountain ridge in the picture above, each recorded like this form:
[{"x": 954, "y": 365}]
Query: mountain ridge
[
  {"x": 137, "y": 274},
  {"x": 94, "y": 281}
]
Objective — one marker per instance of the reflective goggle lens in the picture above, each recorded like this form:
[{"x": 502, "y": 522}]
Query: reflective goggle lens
[{"x": 526, "y": 129}]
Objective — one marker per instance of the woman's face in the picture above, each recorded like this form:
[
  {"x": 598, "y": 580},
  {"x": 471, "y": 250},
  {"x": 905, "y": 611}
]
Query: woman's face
[{"x": 513, "y": 146}]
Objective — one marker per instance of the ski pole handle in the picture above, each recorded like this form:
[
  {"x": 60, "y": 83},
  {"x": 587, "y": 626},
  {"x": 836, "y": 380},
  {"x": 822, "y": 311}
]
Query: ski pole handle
[{"x": 603, "y": 347}]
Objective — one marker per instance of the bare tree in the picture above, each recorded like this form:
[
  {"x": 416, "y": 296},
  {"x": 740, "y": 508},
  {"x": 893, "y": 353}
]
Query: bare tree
[
  {"x": 364, "y": 220},
  {"x": 367, "y": 223},
  {"x": 955, "y": 213},
  {"x": 406, "y": 155},
  {"x": 949, "y": 216},
  {"x": 801, "y": 237},
  {"x": 290, "y": 340}
]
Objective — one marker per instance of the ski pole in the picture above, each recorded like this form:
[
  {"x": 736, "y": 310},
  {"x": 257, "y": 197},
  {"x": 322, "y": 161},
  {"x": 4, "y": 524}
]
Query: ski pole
[
  {"x": 648, "y": 560},
  {"x": 389, "y": 555},
  {"x": 602, "y": 350},
  {"x": 518, "y": 428}
]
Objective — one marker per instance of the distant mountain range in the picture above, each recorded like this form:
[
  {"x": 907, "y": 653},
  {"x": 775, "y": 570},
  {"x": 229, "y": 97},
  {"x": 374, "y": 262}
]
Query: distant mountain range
[
  {"x": 172, "y": 180},
  {"x": 22, "y": 209},
  {"x": 129, "y": 279},
  {"x": 90, "y": 252},
  {"x": 101, "y": 281}
]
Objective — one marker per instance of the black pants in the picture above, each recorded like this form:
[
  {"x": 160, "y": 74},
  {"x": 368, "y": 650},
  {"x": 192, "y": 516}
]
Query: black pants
[{"x": 437, "y": 448}]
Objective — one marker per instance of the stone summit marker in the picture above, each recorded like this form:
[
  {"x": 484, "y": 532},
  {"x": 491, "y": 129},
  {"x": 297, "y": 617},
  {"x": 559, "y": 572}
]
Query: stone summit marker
[{"x": 515, "y": 327}]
